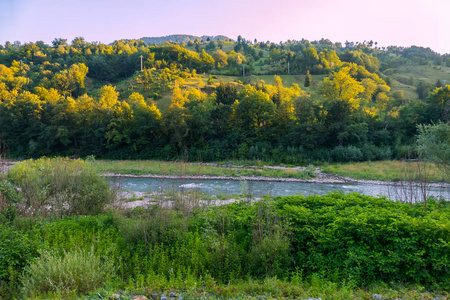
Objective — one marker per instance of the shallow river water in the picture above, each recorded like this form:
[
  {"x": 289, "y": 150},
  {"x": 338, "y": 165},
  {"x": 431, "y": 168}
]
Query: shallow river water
[{"x": 274, "y": 188}]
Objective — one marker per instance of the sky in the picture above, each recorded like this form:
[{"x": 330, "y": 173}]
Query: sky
[{"x": 405, "y": 23}]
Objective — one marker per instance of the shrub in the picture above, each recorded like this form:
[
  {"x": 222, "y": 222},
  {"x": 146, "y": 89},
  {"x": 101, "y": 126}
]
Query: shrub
[
  {"x": 346, "y": 154},
  {"x": 16, "y": 249},
  {"x": 60, "y": 185},
  {"x": 372, "y": 152},
  {"x": 77, "y": 271}
]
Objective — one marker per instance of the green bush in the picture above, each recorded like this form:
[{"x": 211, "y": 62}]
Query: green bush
[
  {"x": 77, "y": 271},
  {"x": 60, "y": 186},
  {"x": 346, "y": 154},
  {"x": 370, "y": 239},
  {"x": 16, "y": 249}
]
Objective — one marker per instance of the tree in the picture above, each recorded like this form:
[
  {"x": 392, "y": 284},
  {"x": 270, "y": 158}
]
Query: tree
[
  {"x": 108, "y": 96},
  {"x": 254, "y": 113},
  {"x": 145, "y": 124},
  {"x": 342, "y": 100},
  {"x": 277, "y": 91},
  {"x": 308, "y": 80},
  {"x": 146, "y": 78},
  {"x": 433, "y": 143},
  {"x": 71, "y": 79},
  {"x": 220, "y": 57},
  {"x": 206, "y": 60},
  {"x": 119, "y": 129},
  {"x": 226, "y": 93}
]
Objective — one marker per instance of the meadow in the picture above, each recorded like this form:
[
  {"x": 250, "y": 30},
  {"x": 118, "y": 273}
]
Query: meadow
[
  {"x": 143, "y": 167},
  {"x": 389, "y": 171}
]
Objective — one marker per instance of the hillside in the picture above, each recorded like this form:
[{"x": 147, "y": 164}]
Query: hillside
[{"x": 299, "y": 102}]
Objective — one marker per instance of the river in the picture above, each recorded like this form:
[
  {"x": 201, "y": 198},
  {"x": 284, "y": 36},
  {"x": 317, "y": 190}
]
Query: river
[{"x": 258, "y": 189}]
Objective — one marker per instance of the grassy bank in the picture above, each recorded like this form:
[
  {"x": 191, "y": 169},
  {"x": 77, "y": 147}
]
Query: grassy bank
[
  {"x": 143, "y": 167},
  {"x": 388, "y": 171},
  {"x": 335, "y": 246},
  {"x": 330, "y": 246}
]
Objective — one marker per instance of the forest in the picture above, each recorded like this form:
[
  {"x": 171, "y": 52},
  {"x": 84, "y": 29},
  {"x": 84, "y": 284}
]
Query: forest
[{"x": 291, "y": 102}]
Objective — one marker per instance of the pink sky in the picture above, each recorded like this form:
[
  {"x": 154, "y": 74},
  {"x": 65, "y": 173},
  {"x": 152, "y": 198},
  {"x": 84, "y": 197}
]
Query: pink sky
[{"x": 388, "y": 22}]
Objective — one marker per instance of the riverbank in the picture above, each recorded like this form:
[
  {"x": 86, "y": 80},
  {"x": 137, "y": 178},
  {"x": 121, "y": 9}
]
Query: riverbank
[{"x": 381, "y": 172}]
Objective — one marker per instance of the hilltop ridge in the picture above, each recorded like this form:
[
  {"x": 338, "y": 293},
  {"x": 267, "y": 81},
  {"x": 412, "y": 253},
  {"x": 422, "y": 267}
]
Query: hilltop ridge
[{"x": 182, "y": 38}]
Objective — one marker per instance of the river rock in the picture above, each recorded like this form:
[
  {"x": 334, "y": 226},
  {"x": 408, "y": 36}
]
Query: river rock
[
  {"x": 140, "y": 297},
  {"x": 163, "y": 297},
  {"x": 376, "y": 296},
  {"x": 172, "y": 295}
]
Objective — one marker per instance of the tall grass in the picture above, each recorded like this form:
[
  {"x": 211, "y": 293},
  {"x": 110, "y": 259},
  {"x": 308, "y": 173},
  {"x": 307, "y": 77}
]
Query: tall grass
[
  {"x": 76, "y": 271},
  {"x": 385, "y": 170},
  {"x": 193, "y": 169}
]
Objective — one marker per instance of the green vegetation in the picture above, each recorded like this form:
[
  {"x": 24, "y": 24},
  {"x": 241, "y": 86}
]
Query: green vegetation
[
  {"x": 337, "y": 246},
  {"x": 60, "y": 186},
  {"x": 313, "y": 245},
  {"x": 217, "y": 99},
  {"x": 77, "y": 272},
  {"x": 61, "y": 237},
  {"x": 193, "y": 169},
  {"x": 387, "y": 171},
  {"x": 434, "y": 144}
]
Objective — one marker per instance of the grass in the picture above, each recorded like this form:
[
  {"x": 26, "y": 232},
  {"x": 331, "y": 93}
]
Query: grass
[
  {"x": 425, "y": 73},
  {"x": 143, "y": 167},
  {"x": 269, "y": 288},
  {"x": 409, "y": 91},
  {"x": 385, "y": 170}
]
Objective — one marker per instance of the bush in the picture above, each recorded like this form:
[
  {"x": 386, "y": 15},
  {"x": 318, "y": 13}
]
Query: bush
[
  {"x": 16, "y": 249},
  {"x": 61, "y": 186},
  {"x": 369, "y": 239},
  {"x": 346, "y": 154},
  {"x": 372, "y": 152},
  {"x": 77, "y": 271}
]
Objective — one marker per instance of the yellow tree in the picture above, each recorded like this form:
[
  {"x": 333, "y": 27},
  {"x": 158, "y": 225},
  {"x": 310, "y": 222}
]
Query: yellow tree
[
  {"x": 220, "y": 58},
  {"x": 341, "y": 93},
  {"x": 108, "y": 96},
  {"x": 175, "y": 117}
]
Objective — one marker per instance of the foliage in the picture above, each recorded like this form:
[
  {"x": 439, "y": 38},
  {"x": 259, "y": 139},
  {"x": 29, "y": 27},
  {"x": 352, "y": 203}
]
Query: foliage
[
  {"x": 433, "y": 143},
  {"x": 16, "y": 251},
  {"x": 60, "y": 186},
  {"x": 358, "y": 239},
  {"x": 83, "y": 98},
  {"x": 77, "y": 271}
]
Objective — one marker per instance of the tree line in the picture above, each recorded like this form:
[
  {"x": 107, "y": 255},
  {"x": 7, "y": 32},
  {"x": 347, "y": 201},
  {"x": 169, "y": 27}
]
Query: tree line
[{"x": 46, "y": 109}]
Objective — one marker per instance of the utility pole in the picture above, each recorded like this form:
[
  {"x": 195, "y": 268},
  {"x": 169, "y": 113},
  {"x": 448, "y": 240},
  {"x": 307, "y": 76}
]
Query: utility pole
[
  {"x": 141, "y": 63},
  {"x": 243, "y": 70},
  {"x": 288, "y": 67},
  {"x": 445, "y": 80}
]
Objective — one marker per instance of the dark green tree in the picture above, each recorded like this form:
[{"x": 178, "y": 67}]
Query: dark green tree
[{"x": 308, "y": 80}]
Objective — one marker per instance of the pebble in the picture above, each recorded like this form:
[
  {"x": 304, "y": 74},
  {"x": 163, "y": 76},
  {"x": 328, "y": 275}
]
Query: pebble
[{"x": 140, "y": 297}]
